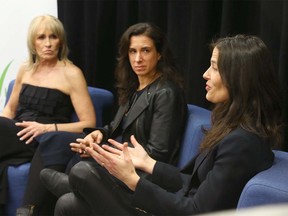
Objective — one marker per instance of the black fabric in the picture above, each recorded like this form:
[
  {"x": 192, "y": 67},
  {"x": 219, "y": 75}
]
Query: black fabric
[
  {"x": 13, "y": 151},
  {"x": 212, "y": 183},
  {"x": 43, "y": 105},
  {"x": 94, "y": 28},
  {"x": 160, "y": 111},
  {"x": 55, "y": 147},
  {"x": 114, "y": 196},
  {"x": 36, "y": 193}
]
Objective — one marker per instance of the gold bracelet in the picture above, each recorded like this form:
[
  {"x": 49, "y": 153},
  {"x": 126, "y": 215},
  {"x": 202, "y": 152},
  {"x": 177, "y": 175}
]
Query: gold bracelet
[{"x": 56, "y": 128}]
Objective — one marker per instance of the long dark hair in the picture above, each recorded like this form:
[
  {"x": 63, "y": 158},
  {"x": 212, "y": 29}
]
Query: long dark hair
[
  {"x": 127, "y": 81},
  {"x": 255, "y": 98}
]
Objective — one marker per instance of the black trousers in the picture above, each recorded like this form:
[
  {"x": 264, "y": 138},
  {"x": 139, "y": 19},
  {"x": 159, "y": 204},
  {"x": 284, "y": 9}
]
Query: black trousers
[
  {"x": 36, "y": 193},
  {"x": 12, "y": 152},
  {"x": 53, "y": 152},
  {"x": 95, "y": 192}
]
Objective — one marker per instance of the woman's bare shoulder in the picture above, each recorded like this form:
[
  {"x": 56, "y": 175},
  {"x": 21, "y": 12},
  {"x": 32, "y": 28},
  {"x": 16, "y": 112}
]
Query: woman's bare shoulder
[
  {"x": 23, "y": 71},
  {"x": 71, "y": 69}
]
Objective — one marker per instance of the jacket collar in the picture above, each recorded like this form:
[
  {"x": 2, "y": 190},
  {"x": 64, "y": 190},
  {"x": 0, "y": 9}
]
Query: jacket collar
[{"x": 194, "y": 163}]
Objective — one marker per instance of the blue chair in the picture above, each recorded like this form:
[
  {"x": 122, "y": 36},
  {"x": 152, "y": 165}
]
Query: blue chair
[
  {"x": 18, "y": 175},
  {"x": 269, "y": 186},
  {"x": 197, "y": 118}
]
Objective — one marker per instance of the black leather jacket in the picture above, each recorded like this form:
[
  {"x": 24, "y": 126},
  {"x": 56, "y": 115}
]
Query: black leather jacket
[{"x": 157, "y": 119}]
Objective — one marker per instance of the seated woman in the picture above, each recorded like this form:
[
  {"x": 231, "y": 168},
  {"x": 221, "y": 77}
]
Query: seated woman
[
  {"x": 151, "y": 97},
  {"x": 246, "y": 122},
  {"x": 152, "y": 104},
  {"x": 47, "y": 89}
]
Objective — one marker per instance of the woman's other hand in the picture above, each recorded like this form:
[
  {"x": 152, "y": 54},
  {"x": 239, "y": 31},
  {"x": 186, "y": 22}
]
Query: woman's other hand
[
  {"x": 32, "y": 129},
  {"x": 79, "y": 147}
]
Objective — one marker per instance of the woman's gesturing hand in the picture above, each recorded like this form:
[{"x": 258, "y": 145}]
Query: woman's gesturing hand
[
  {"x": 117, "y": 162},
  {"x": 137, "y": 153},
  {"x": 122, "y": 160}
]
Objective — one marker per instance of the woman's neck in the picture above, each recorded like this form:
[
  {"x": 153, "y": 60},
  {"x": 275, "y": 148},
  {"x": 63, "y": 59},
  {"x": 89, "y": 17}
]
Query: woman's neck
[
  {"x": 48, "y": 64},
  {"x": 145, "y": 81}
]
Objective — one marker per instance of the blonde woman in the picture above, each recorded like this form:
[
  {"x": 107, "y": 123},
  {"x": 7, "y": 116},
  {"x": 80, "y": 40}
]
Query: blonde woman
[{"x": 47, "y": 89}]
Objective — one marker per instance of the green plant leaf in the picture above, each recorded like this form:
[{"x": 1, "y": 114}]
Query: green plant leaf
[{"x": 3, "y": 75}]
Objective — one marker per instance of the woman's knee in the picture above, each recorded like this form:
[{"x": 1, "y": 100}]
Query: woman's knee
[
  {"x": 81, "y": 172},
  {"x": 63, "y": 205},
  {"x": 70, "y": 205}
]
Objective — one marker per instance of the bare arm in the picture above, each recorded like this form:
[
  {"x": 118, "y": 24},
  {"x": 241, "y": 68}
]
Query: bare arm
[
  {"x": 81, "y": 101},
  {"x": 9, "y": 111}
]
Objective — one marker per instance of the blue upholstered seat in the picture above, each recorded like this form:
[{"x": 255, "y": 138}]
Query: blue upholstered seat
[
  {"x": 18, "y": 175},
  {"x": 17, "y": 181},
  {"x": 269, "y": 186}
]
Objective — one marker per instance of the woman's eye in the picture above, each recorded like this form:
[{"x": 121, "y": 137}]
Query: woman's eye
[
  {"x": 41, "y": 37},
  {"x": 54, "y": 37},
  {"x": 131, "y": 51}
]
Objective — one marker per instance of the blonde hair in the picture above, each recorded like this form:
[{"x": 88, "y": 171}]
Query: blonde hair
[{"x": 53, "y": 24}]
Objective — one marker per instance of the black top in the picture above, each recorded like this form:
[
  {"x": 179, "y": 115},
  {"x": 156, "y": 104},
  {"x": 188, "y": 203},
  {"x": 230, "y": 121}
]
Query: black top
[{"x": 43, "y": 105}]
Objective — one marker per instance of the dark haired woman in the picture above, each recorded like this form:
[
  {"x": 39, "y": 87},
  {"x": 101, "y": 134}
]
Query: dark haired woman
[{"x": 152, "y": 103}]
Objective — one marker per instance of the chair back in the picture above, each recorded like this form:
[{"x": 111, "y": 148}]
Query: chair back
[
  {"x": 197, "y": 118},
  {"x": 102, "y": 100}
]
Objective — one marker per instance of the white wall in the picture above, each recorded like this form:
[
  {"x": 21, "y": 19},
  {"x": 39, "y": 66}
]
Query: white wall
[{"x": 15, "y": 17}]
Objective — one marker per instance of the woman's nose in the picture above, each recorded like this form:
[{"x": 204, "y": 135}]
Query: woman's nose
[
  {"x": 48, "y": 42},
  {"x": 206, "y": 74},
  {"x": 138, "y": 57}
]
